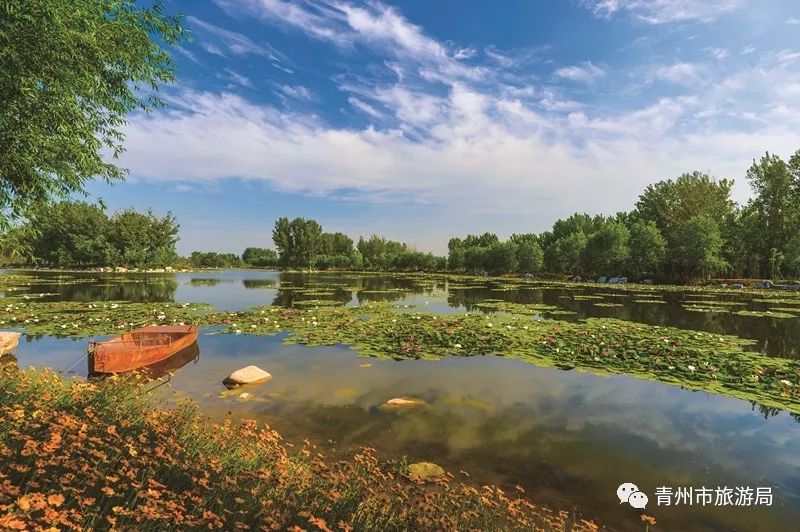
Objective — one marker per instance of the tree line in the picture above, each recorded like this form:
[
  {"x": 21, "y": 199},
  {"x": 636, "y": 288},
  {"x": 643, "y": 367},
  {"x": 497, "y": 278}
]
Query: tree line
[
  {"x": 83, "y": 235},
  {"x": 681, "y": 229}
]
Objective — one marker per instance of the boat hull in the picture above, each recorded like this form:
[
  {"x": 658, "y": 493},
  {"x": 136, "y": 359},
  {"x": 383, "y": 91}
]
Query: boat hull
[{"x": 139, "y": 348}]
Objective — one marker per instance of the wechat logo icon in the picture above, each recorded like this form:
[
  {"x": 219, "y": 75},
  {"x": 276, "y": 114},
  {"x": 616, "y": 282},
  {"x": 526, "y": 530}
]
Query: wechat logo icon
[{"x": 629, "y": 492}]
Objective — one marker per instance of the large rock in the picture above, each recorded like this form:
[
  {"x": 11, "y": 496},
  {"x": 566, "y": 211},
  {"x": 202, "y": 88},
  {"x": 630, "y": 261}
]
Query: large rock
[
  {"x": 425, "y": 471},
  {"x": 247, "y": 375},
  {"x": 764, "y": 283},
  {"x": 8, "y": 341}
]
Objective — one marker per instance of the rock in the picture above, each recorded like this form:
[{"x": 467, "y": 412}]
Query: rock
[
  {"x": 169, "y": 269},
  {"x": 647, "y": 281},
  {"x": 425, "y": 471},
  {"x": 367, "y": 365},
  {"x": 737, "y": 285},
  {"x": 120, "y": 269},
  {"x": 247, "y": 375},
  {"x": 602, "y": 279},
  {"x": 404, "y": 401},
  {"x": 576, "y": 279},
  {"x": 244, "y": 396},
  {"x": 764, "y": 283},
  {"x": 8, "y": 341}
]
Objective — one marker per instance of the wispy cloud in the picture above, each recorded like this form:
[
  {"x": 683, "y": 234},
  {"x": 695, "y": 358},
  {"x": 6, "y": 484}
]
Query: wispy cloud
[
  {"x": 447, "y": 128},
  {"x": 223, "y": 42},
  {"x": 364, "y": 107},
  {"x": 585, "y": 72},
  {"x": 678, "y": 73},
  {"x": 664, "y": 11},
  {"x": 296, "y": 91},
  {"x": 238, "y": 79},
  {"x": 793, "y": 21}
]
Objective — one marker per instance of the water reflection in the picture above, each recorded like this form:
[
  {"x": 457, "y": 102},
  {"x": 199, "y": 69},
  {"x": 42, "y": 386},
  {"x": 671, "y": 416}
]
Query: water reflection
[
  {"x": 233, "y": 290},
  {"x": 566, "y": 437}
]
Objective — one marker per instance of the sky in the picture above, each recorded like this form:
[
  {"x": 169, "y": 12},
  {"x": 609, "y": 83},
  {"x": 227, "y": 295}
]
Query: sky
[{"x": 423, "y": 120}]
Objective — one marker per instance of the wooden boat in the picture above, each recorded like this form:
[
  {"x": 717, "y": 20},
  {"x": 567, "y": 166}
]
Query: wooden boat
[{"x": 140, "y": 347}]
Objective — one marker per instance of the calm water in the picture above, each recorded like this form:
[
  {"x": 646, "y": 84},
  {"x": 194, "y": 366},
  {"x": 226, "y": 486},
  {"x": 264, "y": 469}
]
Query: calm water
[{"x": 567, "y": 437}]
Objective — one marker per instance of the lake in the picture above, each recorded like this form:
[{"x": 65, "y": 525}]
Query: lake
[{"x": 568, "y": 438}]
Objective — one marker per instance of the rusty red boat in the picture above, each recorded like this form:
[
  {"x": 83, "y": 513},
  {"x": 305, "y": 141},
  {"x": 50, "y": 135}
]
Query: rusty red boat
[{"x": 140, "y": 347}]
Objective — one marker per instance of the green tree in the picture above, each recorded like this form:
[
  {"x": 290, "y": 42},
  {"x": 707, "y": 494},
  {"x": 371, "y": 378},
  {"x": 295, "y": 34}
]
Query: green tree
[
  {"x": 671, "y": 204},
  {"x": 143, "y": 240},
  {"x": 774, "y": 212},
  {"x": 530, "y": 257},
  {"x": 306, "y": 236},
  {"x": 501, "y": 258},
  {"x": 71, "y": 235},
  {"x": 607, "y": 249},
  {"x": 699, "y": 248},
  {"x": 70, "y": 71},
  {"x": 565, "y": 253},
  {"x": 284, "y": 240},
  {"x": 260, "y": 257},
  {"x": 792, "y": 256},
  {"x": 648, "y": 249}
]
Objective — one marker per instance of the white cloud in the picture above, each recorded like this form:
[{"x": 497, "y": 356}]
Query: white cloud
[
  {"x": 678, "y": 73},
  {"x": 297, "y": 91},
  {"x": 664, "y": 11},
  {"x": 364, "y": 107},
  {"x": 586, "y": 72},
  {"x": 479, "y": 137},
  {"x": 234, "y": 42},
  {"x": 793, "y": 21},
  {"x": 238, "y": 79}
]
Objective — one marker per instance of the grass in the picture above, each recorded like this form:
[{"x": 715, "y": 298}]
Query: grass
[{"x": 99, "y": 455}]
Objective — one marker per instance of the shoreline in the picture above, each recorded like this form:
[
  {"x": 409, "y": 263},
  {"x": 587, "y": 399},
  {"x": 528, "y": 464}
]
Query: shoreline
[{"x": 117, "y": 458}]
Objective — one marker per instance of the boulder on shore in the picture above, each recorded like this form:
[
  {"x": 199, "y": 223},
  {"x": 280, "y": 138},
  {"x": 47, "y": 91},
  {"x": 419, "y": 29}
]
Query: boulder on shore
[
  {"x": 246, "y": 375},
  {"x": 425, "y": 471},
  {"x": 764, "y": 283},
  {"x": 8, "y": 341}
]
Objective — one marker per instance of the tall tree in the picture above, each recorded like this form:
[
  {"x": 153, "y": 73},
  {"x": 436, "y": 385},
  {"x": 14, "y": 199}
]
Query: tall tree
[
  {"x": 671, "y": 204},
  {"x": 648, "y": 248},
  {"x": 607, "y": 250},
  {"x": 143, "y": 239},
  {"x": 774, "y": 211},
  {"x": 70, "y": 71},
  {"x": 699, "y": 248}
]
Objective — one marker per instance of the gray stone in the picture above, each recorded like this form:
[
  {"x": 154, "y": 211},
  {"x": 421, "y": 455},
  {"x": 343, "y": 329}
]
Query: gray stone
[{"x": 737, "y": 285}]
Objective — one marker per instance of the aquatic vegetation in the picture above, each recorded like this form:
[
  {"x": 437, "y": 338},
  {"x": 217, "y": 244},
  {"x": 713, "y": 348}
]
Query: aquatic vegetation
[
  {"x": 765, "y": 314},
  {"x": 649, "y": 301},
  {"x": 200, "y": 281},
  {"x": 498, "y": 305},
  {"x": 116, "y": 459},
  {"x": 705, "y": 308},
  {"x": 696, "y": 360},
  {"x": 75, "y": 319},
  {"x": 610, "y": 305}
]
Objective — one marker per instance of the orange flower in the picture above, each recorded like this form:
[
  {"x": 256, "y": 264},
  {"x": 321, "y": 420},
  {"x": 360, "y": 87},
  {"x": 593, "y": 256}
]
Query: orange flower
[{"x": 648, "y": 519}]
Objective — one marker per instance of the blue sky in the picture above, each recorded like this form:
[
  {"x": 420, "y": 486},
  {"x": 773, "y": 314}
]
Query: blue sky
[{"x": 421, "y": 120}]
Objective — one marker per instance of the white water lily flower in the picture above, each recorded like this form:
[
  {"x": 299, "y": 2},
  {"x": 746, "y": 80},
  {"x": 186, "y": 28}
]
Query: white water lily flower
[
  {"x": 489, "y": 325},
  {"x": 691, "y": 368},
  {"x": 787, "y": 383},
  {"x": 525, "y": 327},
  {"x": 457, "y": 346}
]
